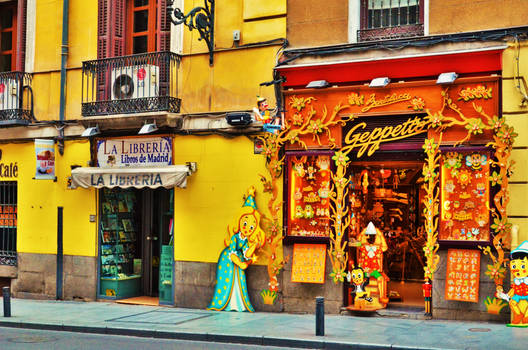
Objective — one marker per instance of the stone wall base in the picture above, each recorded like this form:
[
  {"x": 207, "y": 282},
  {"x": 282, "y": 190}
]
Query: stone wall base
[
  {"x": 460, "y": 310},
  {"x": 195, "y": 282},
  {"x": 36, "y": 277}
]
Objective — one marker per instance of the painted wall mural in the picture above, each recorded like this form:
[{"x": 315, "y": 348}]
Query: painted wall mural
[{"x": 244, "y": 238}]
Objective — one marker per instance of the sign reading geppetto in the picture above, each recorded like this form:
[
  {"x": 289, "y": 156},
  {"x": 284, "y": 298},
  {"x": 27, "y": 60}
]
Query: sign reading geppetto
[
  {"x": 136, "y": 152},
  {"x": 366, "y": 134}
]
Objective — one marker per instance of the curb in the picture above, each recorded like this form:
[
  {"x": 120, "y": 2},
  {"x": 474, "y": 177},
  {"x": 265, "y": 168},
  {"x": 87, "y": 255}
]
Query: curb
[{"x": 207, "y": 337}]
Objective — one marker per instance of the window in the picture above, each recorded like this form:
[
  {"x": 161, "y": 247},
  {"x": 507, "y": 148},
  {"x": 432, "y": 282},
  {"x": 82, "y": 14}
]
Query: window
[
  {"x": 8, "y": 222},
  {"x": 388, "y": 19},
  {"x": 132, "y": 26},
  {"x": 141, "y": 33},
  {"x": 8, "y": 37}
]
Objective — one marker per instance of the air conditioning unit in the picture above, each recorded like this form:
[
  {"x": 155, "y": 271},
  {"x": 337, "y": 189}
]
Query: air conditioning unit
[
  {"x": 135, "y": 82},
  {"x": 9, "y": 94}
]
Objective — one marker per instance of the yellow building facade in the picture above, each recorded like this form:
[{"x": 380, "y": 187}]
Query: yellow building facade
[
  {"x": 61, "y": 231},
  {"x": 225, "y": 157}
]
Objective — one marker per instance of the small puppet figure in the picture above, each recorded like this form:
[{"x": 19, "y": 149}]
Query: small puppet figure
[
  {"x": 428, "y": 296},
  {"x": 262, "y": 114},
  {"x": 518, "y": 294},
  {"x": 359, "y": 280}
]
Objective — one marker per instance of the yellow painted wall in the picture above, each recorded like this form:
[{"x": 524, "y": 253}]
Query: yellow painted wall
[
  {"x": 213, "y": 197},
  {"x": 38, "y": 201},
  {"x": 233, "y": 81},
  {"x": 82, "y": 46},
  {"x": 454, "y": 16},
  {"x": 232, "y": 84},
  {"x": 517, "y": 116}
]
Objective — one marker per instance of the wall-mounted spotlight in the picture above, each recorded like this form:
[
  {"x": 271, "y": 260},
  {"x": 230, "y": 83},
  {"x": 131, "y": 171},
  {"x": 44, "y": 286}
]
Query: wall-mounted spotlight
[
  {"x": 91, "y": 131},
  {"x": 447, "y": 78},
  {"x": 379, "y": 82},
  {"x": 147, "y": 128},
  {"x": 317, "y": 84}
]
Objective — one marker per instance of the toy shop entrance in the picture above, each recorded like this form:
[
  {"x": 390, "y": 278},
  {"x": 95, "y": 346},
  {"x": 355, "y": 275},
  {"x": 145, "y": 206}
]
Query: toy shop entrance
[
  {"x": 387, "y": 193},
  {"x": 386, "y": 236}
]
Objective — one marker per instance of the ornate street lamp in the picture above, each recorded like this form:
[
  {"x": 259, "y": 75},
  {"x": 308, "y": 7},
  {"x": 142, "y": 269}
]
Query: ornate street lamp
[{"x": 200, "y": 18}]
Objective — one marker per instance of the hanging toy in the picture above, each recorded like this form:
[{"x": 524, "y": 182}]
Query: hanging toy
[
  {"x": 298, "y": 166},
  {"x": 476, "y": 160},
  {"x": 308, "y": 212},
  {"x": 299, "y": 212},
  {"x": 310, "y": 170},
  {"x": 364, "y": 181}
]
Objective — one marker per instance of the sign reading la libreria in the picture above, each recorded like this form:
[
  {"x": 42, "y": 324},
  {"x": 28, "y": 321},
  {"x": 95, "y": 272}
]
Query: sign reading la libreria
[{"x": 134, "y": 152}]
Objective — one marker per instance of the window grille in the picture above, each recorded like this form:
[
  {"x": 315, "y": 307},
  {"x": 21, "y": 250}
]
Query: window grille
[
  {"x": 8, "y": 222},
  {"x": 392, "y": 13}
]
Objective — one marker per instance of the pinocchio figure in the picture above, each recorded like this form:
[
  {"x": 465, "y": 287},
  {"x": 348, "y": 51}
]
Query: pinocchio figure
[{"x": 428, "y": 296}]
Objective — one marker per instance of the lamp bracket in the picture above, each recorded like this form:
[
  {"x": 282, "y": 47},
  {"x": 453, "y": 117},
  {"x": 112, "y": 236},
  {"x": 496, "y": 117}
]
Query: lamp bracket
[{"x": 199, "y": 18}]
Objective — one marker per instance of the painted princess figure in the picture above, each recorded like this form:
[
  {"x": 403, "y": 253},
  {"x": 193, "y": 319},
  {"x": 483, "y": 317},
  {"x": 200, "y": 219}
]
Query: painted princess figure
[{"x": 244, "y": 238}]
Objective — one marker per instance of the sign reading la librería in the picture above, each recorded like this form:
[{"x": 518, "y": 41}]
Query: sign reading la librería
[{"x": 134, "y": 152}]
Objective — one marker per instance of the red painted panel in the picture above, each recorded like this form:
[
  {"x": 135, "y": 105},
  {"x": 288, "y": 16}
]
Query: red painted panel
[{"x": 396, "y": 69}]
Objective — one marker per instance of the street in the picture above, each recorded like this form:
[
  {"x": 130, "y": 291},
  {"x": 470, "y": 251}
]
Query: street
[{"x": 30, "y": 339}]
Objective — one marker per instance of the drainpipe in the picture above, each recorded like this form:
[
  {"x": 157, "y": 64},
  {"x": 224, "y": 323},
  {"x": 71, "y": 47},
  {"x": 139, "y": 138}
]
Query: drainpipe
[{"x": 64, "y": 58}]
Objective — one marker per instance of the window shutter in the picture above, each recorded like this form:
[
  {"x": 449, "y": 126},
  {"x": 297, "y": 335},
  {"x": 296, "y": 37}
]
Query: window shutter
[
  {"x": 21, "y": 33},
  {"x": 119, "y": 16},
  {"x": 111, "y": 28},
  {"x": 163, "y": 40}
]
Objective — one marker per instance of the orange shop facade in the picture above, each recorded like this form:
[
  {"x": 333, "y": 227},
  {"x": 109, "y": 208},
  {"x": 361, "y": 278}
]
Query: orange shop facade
[{"x": 404, "y": 185}]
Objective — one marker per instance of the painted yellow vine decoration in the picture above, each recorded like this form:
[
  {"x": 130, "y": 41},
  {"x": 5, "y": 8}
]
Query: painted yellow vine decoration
[
  {"x": 431, "y": 202},
  {"x": 308, "y": 121},
  {"x": 503, "y": 137}
]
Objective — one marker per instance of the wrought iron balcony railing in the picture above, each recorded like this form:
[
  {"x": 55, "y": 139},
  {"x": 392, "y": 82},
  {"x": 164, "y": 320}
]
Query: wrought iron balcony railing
[
  {"x": 131, "y": 84},
  {"x": 396, "y": 32},
  {"x": 16, "y": 98}
]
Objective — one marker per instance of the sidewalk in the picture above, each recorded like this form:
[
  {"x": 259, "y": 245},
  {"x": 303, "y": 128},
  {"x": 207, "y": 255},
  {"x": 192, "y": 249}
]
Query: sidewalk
[{"x": 269, "y": 329}]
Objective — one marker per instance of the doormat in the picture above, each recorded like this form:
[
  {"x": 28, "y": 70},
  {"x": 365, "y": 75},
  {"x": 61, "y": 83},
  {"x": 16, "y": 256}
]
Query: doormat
[{"x": 143, "y": 300}]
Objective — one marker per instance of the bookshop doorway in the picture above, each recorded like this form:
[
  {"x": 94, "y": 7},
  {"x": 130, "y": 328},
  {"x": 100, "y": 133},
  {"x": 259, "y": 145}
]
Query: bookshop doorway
[{"x": 136, "y": 246}]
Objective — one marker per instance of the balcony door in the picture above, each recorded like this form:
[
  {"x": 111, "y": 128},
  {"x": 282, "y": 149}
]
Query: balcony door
[
  {"x": 142, "y": 26},
  {"x": 8, "y": 36}
]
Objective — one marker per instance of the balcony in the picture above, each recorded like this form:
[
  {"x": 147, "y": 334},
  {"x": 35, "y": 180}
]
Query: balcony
[
  {"x": 16, "y": 99},
  {"x": 131, "y": 84}
]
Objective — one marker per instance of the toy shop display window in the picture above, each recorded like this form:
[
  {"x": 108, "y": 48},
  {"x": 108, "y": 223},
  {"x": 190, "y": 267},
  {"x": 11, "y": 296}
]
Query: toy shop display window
[
  {"x": 464, "y": 196},
  {"x": 309, "y": 181}
]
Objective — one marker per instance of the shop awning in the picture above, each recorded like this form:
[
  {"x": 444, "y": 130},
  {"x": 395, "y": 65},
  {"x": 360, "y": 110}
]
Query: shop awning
[{"x": 138, "y": 177}]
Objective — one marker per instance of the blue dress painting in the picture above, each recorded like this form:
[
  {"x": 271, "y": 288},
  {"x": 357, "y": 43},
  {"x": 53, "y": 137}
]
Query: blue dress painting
[
  {"x": 231, "y": 292},
  {"x": 244, "y": 237}
]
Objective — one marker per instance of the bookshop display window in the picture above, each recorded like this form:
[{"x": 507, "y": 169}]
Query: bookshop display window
[
  {"x": 465, "y": 196},
  {"x": 309, "y": 191},
  {"x": 120, "y": 263}
]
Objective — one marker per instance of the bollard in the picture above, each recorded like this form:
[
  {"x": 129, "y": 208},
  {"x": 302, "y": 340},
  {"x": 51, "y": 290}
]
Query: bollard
[
  {"x": 7, "y": 301},
  {"x": 319, "y": 316}
]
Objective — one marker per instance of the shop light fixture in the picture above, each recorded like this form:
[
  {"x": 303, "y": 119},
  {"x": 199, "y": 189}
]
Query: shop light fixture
[
  {"x": 148, "y": 128},
  {"x": 317, "y": 84},
  {"x": 193, "y": 166},
  {"x": 91, "y": 131},
  {"x": 447, "y": 78},
  {"x": 379, "y": 82}
]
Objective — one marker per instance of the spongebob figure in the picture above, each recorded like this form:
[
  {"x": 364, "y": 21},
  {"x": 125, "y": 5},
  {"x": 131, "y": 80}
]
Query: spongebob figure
[
  {"x": 518, "y": 294},
  {"x": 359, "y": 280}
]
